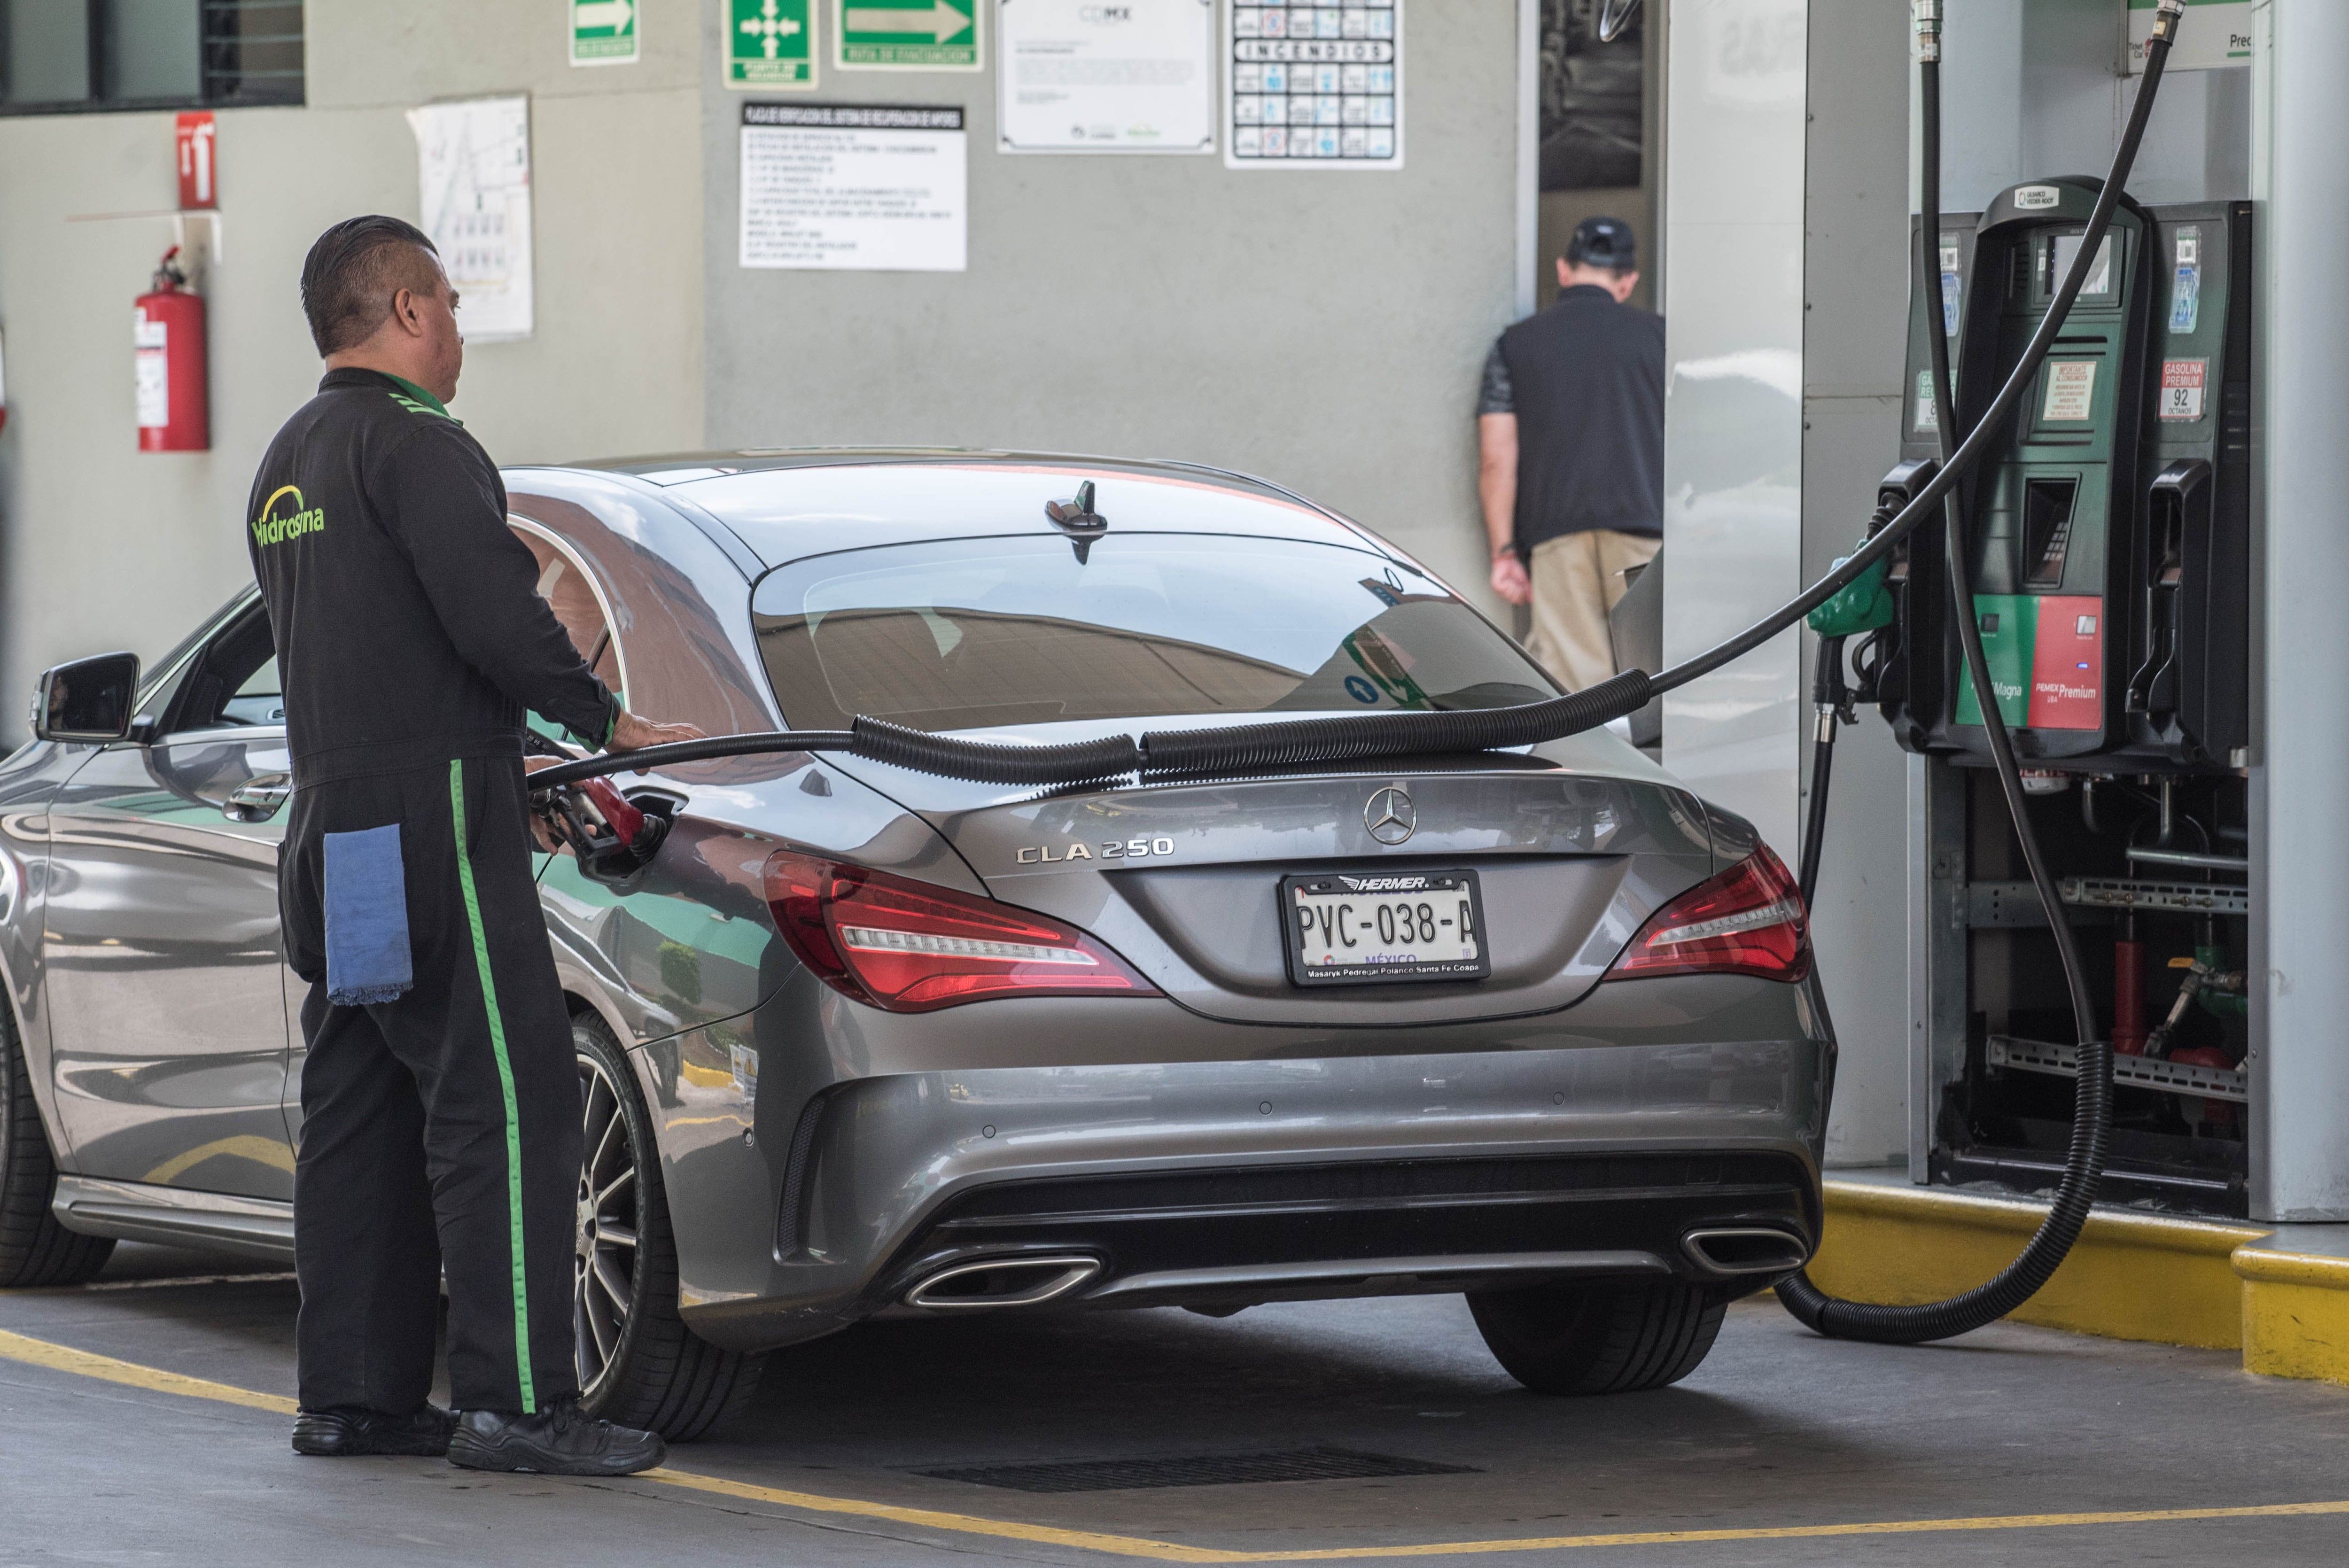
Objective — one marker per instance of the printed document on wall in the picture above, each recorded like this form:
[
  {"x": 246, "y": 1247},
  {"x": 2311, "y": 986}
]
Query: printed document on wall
[
  {"x": 1081, "y": 76},
  {"x": 854, "y": 187},
  {"x": 473, "y": 161},
  {"x": 1318, "y": 88}
]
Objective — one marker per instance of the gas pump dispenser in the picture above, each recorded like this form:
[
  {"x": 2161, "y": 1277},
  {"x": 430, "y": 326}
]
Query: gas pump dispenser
[
  {"x": 2106, "y": 539},
  {"x": 2109, "y": 540}
]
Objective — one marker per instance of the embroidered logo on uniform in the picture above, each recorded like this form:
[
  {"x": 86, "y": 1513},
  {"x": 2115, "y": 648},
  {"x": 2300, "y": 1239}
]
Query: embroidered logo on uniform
[{"x": 271, "y": 529}]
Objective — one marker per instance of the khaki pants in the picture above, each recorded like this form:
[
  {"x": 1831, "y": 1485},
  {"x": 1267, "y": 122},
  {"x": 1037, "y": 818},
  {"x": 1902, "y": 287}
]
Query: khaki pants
[{"x": 1578, "y": 577}]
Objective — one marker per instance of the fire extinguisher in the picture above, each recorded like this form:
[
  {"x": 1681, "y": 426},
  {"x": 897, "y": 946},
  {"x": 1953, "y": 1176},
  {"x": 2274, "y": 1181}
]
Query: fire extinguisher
[{"x": 168, "y": 332}]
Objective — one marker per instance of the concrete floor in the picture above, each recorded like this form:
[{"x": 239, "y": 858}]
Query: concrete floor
[{"x": 1776, "y": 1429}]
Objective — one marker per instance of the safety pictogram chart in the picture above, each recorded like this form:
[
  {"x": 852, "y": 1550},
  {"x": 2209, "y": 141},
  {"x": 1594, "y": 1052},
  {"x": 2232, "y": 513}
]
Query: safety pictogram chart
[
  {"x": 770, "y": 43},
  {"x": 1314, "y": 86},
  {"x": 473, "y": 161}
]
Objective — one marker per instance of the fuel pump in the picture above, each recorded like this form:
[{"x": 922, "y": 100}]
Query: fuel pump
[
  {"x": 2108, "y": 543},
  {"x": 2107, "y": 546}
]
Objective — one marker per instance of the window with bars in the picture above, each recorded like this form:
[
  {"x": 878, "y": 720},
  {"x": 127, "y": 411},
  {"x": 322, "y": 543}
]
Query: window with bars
[{"x": 69, "y": 57}]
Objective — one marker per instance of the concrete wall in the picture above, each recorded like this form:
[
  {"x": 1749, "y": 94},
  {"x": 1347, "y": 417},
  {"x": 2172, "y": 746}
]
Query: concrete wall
[
  {"x": 107, "y": 547},
  {"x": 1324, "y": 329}
]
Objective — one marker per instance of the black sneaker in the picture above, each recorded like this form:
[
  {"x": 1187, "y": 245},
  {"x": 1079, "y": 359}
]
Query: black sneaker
[
  {"x": 560, "y": 1440},
  {"x": 344, "y": 1430}
]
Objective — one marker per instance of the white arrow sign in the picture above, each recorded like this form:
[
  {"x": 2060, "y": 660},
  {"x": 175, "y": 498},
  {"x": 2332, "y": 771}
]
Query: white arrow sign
[
  {"x": 612, "y": 13},
  {"x": 942, "y": 22}
]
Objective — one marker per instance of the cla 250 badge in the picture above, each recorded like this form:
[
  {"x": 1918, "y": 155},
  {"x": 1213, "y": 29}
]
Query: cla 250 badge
[{"x": 1121, "y": 850}]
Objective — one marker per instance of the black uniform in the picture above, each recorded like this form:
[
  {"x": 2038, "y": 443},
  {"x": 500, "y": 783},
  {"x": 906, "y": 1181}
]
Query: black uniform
[
  {"x": 1585, "y": 379},
  {"x": 439, "y": 1099}
]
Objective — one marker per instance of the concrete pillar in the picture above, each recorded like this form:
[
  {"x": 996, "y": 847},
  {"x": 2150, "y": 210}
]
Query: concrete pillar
[
  {"x": 2301, "y": 1081},
  {"x": 1734, "y": 105}
]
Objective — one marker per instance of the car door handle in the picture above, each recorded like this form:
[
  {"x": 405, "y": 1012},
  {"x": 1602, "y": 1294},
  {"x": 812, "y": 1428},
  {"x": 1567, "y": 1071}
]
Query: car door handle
[{"x": 258, "y": 800}]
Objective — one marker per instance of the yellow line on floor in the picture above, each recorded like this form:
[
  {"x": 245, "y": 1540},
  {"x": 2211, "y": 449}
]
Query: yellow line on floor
[
  {"x": 64, "y": 1358},
  {"x": 1174, "y": 1552}
]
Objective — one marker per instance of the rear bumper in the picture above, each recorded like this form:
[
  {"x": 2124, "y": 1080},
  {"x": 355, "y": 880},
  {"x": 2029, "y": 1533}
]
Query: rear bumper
[
  {"x": 1552, "y": 1148},
  {"x": 1232, "y": 1237}
]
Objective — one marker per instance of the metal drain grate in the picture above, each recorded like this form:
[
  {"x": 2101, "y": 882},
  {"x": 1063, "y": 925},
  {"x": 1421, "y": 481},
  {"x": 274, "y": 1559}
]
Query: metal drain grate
[{"x": 1195, "y": 1469}]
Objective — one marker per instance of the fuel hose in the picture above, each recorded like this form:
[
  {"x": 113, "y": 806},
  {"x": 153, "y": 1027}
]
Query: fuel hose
[
  {"x": 2092, "y": 1116},
  {"x": 1304, "y": 742}
]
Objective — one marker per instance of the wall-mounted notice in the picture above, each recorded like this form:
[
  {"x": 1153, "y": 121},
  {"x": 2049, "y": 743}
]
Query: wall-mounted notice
[
  {"x": 1317, "y": 87},
  {"x": 473, "y": 161},
  {"x": 604, "y": 32},
  {"x": 770, "y": 43},
  {"x": 1079, "y": 76},
  {"x": 2214, "y": 35},
  {"x": 854, "y": 187},
  {"x": 906, "y": 36}
]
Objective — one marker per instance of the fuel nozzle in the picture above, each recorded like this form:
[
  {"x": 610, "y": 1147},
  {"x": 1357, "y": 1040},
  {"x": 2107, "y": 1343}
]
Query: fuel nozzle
[{"x": 612, "y": 836}]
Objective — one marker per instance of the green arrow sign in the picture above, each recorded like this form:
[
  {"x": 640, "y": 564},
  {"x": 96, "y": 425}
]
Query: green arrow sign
[
  {"x": 603, "y": 32},
  {"x": 909, "y": 34},
  {"x": 769, "y": 45}
]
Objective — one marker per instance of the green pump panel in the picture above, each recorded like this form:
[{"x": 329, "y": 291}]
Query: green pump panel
[{"x": 2108, "y": 534}]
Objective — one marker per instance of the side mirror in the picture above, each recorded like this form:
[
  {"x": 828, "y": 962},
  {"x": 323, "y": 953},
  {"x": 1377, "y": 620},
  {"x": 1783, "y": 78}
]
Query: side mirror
[{"x": 89, "y": 700}]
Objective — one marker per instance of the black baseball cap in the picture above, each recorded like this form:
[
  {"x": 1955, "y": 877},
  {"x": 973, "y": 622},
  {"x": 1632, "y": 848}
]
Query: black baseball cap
[{"x": 1603, "y": 242}]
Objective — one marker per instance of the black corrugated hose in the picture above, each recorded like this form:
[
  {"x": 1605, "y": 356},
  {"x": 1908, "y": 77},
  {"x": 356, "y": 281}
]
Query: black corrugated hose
[
  {"x": 2092, "y": 1115},
  {"x": 1367, "y": 737},
  {"x": 1301, "y": 742}
]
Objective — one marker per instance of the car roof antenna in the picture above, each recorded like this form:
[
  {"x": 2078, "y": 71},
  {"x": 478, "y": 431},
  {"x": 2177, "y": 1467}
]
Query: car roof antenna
[{"x": 1077, "y": 518}]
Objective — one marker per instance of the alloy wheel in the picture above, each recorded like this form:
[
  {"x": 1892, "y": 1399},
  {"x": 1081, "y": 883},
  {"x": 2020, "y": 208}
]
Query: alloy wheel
[{"x": 603, "y": 1252}]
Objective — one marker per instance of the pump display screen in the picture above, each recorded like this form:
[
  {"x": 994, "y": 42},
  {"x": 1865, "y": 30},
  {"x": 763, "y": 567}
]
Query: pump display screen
[{"x": 2065, "y": 251}]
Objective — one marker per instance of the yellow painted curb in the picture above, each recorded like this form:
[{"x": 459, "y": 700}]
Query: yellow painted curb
[
  {"x": 2131, "y": 1276},
  {"x": 2295, "y": 1313}
]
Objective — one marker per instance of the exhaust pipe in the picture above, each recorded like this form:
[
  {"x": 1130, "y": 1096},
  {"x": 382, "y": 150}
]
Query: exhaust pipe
[
  {"x": 1002, "y": 1282},
  {"x": 1745, "y": 1251}
]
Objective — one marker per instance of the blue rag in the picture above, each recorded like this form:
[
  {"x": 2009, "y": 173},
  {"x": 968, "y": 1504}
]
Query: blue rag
[{"x": 367, "y": 959}]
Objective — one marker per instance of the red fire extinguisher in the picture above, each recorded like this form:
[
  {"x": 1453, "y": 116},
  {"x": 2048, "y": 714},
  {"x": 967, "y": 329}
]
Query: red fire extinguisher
[{"x": 168, "y": 330}]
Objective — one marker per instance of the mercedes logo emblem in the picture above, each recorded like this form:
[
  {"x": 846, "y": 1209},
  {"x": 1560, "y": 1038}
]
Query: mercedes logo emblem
[{"x": 1391, "y": 816}]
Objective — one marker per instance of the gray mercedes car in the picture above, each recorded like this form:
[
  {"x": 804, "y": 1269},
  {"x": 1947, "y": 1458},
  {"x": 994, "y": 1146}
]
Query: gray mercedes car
[{"x": 1536, "y": 1026}]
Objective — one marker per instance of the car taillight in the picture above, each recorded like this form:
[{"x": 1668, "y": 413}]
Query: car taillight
[
  {"x": 1749, "y": 920},
  {"x": 910, "y": 948}
]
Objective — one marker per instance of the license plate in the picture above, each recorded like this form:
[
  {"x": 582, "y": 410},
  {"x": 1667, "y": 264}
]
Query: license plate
[{"x": 1371, "y": 927}]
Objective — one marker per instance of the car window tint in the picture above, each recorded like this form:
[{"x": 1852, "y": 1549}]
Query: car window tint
[
  {"x": 564, "y": 587},
  {"x": 233, "y": 681},
  {"x": 966, "y": 633}
]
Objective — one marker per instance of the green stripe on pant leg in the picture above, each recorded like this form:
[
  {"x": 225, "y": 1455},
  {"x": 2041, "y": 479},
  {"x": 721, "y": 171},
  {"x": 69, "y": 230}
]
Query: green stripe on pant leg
[{"x": 505, "y": 1084}]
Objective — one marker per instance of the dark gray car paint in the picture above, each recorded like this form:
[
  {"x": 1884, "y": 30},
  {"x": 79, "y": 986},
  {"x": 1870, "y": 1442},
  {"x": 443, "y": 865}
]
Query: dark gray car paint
[{"x": 734, "y": 1041}]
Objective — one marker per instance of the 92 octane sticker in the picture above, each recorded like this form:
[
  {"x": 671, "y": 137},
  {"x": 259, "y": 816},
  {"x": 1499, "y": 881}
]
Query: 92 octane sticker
[{"x": 2181, "y": 388}]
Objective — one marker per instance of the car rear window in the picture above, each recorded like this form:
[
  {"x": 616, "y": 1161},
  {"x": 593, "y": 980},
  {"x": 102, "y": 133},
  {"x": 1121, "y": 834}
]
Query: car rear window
[{"x": 968, "y": 633}]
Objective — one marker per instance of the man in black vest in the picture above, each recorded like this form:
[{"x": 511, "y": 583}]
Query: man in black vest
[{"x": 1570, "y": 425}]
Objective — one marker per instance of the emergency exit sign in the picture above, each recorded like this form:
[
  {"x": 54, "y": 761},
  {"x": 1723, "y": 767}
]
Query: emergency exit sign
[
  {"x": 770, "y": 43},
  {"x": 604, "y": 32},
  {"x": 908, "y": 35}
]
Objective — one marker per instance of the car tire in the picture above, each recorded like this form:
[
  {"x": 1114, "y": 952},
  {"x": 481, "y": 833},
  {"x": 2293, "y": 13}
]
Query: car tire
[
  {"x": 638, "y": 1364},
  {"x": 35, "y": 1250},
  {"x": 1600, "y": 1336}
]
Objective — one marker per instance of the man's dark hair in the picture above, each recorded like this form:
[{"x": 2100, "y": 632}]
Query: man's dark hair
[{"x": 352, "y": 273}]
